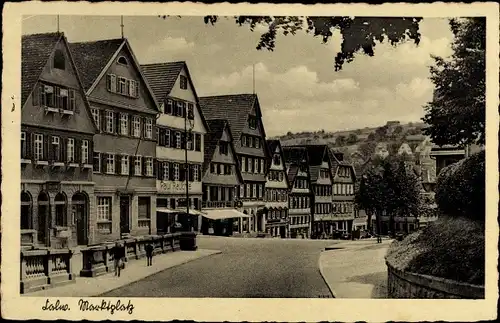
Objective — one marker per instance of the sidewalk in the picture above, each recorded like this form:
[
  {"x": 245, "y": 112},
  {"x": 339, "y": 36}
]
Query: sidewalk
[
  {"x": 356, "y": 269},
  {"x": 135, "y": 270}
]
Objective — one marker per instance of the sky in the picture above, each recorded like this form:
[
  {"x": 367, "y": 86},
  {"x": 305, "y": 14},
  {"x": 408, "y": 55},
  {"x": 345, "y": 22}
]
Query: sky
[{"x": 297, "y": 85}]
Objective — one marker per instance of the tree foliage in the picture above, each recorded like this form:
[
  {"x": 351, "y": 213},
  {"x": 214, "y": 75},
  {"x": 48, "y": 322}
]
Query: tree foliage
[
  {"x": 457, "y": 113},
  {"x": 359, "y": 34},
  {"x": 460, "y": 188},
  {"x": 388, "y": 188}
]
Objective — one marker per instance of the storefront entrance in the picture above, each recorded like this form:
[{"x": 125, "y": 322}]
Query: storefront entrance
[
  {"x": 124, "y": 214},
  {"x": 80, "y": 215},
  {"x": 43, "y": 218}
]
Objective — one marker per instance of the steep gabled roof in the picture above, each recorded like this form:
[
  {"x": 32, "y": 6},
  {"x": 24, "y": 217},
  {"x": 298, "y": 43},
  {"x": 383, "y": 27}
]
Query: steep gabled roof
[
  {"x": 162, "y": 77},
  {"x": 36, "y": 50},
  {"x": 271, "y": 146},
  {"x": 95, "y": 58},
  {"x": 294, "y": 157},
  {"x": 92, "y": 57},
  {"x": 234, "y": 108},
  {"x": 216, "y": 128},
  {"x": 36, "y": 47}
]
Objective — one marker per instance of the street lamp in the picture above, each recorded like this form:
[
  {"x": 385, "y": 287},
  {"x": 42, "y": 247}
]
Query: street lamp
[{"x": 188, "y": 119}]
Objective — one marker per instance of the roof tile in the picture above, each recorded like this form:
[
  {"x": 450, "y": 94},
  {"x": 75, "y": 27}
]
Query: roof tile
[
  {"x": 162, "y": 76},
  {"x": 91, "y": 58},
  {"x": 35, "y": 52}
]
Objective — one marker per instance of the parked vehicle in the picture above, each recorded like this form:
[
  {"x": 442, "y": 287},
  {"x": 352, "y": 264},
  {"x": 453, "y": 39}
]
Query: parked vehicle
[
  {"x": 345, "y": 236},
  {"x": 365, "y": 235}
]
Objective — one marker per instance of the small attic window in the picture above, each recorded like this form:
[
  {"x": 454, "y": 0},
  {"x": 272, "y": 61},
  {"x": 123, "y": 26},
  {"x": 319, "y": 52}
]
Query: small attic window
[
  {"x": 122, "y": 60},
  {"x": 59, "y": 60}
]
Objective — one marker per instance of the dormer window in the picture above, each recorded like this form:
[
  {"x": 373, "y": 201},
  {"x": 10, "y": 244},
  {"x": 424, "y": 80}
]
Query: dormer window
[
  {"x": 183, "y": 82},
  {"x": 59, "y": 60},
  {"x": 122, "y": 60},
  {"x": 252, "y": 122}
]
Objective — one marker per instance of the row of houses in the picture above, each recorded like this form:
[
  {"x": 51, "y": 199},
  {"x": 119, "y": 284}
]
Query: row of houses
[{"x": 111, "y": 148}]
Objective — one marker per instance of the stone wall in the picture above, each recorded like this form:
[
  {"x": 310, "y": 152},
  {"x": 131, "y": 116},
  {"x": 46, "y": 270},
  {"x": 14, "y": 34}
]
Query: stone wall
[{"x": 402, "y": 284}]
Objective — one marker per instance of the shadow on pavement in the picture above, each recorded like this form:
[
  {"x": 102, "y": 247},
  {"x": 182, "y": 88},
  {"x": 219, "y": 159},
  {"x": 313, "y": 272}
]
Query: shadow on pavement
[{"x": 378, "y": 280}]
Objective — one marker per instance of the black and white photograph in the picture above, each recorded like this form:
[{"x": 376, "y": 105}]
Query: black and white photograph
[{"x": 172, "y": 155}]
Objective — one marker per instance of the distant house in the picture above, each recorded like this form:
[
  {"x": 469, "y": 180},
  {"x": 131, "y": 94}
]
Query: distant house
[
  {"x": 381, "y": 150},
  {"x": 244, "y": 115},
  {"x": 405, "y": 149},
  {"x": 221, "y": 179},
  {"x": 300, "y": 197},
  {"x": 277, "y": 188},
  {"x": 446, "y": 155},
  {"x": 181, "y": 126}
]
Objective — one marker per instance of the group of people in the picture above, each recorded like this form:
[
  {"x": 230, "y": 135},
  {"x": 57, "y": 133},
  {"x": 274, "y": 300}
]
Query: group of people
[{"x": 118, "y": 252}]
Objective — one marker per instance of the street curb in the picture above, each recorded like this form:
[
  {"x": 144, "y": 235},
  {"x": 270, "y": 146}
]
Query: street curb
[
  {"x": 323, "y": 276},
  {"x": 216, "y": 252}
]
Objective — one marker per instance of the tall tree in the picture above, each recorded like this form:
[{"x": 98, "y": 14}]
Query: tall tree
[
  {"x": 340, "y": 141},
  {"x": 388, "y": 188},
  {"x": 352, "y": 139},
  {"x": 457, "y": 113},
  {"x": 359, "y": 34}
]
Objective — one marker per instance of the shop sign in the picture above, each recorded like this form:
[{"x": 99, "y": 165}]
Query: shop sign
[{"x": 175, "y": 187}]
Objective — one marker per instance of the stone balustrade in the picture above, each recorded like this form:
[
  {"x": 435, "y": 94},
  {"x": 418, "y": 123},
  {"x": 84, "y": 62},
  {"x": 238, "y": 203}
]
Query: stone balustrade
[
  {"x": 42, "y": 268},
  {"x": 98, "y": 260}
]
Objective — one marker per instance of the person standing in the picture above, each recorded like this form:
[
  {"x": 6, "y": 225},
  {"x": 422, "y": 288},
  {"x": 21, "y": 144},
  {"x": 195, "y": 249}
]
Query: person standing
[
  {"x": 118, "y": 255},
  {"x": 149, "y": 253}
]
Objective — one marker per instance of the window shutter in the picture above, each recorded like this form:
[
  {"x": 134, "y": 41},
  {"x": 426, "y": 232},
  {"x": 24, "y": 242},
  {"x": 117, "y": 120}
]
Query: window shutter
[
  {"x": 50, "y": 152},
  {"x": 159, "y": 169},
  {"x": 45, "y": 147},
  {"x": 29, "y": 145},
  {"x": 142, "y": 127},
  {"x": 103, "y": 162},
  {"x": 172, "y": 139},
  {"x": 183, "y": 140},
  {"x": 128, "y": 85},
  {"x": 155, "y": 167},
  {"x": 118, "y": 164},
  {"x": 161, "y": 134},
  {"x": 170, "y": 171},
  {"x": 136, "y": 89},
  {"x": 191, "y": 172},
  {"x": 131, "y": 165},
  {"x": 91, "y": 151},
  {"x": 116, "y": 119},
  {"x": 117, "y": 84},
  {"x": 108, "y": 82},
  {"x": 95, "y": 163},
  {"x": 36, "y": 95},
  {"x": 143, "y": 165},
  {"x": 78, "y": 150},
  {"x": 102, "y": 116},
  {"x": 182, "y": 172}
]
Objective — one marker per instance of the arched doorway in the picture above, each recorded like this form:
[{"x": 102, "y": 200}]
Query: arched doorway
[
  {"x": 79, "y": 215},
  {"x": 43, "y": 218},
  {"x": 26, "y": 211},
  {"x": 61, "y": 205}
]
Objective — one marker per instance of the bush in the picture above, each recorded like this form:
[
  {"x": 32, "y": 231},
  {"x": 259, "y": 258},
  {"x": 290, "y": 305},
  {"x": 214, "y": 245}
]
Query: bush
[
  {"x": 451, "y": 248},
  {"x": 460, "y": 188}
]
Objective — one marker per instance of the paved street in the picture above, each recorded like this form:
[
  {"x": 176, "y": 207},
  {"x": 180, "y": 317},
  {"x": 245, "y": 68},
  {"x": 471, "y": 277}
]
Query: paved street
[{"x": 245, "y": 268}]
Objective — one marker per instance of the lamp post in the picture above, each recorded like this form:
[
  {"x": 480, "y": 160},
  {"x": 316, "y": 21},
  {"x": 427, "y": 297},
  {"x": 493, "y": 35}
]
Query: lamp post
[{"x": 188, "y": 118}]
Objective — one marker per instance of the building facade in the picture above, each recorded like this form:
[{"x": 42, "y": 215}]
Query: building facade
[
  {"x": 243, "y": 113},
  {"x": 180, "y": 149},
  {"x": 221, "y": 179},
  {"x": 300, "y": 197},
  {"x": 57, "y": 189},
  {"x": 277, "y": 188},
  {"x": 124, "y": 110},
  {"x": 343, "y": 207}
]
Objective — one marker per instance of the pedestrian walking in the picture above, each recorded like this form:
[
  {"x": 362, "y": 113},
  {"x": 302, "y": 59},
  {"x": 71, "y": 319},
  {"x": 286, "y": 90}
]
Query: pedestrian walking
[
  {"x": 149, "y": 253},
  {"x": 118, "y": 255}
]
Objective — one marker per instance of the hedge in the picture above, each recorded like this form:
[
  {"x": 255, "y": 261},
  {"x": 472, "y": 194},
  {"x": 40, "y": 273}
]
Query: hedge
[{"x": 460, "y": 188}]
